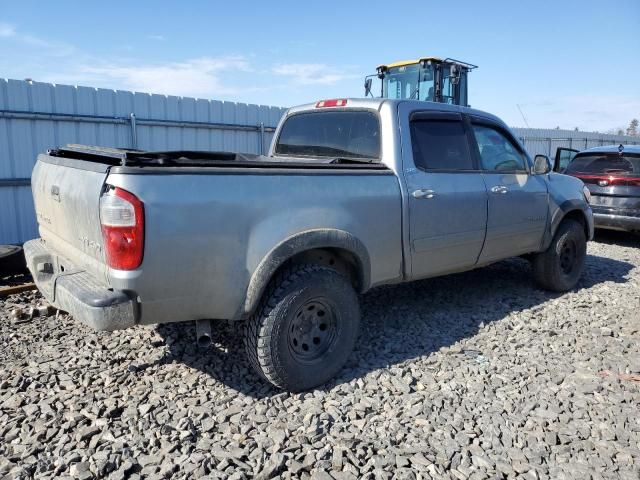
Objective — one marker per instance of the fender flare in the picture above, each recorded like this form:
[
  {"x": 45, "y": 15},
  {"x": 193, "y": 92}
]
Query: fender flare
[
  {"x": 299, "y": 243},
  {"x": 565, "y": 208}
]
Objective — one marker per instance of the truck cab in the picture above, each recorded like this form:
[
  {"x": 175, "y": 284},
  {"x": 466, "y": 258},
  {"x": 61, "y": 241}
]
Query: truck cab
[{"x": 430, "y": 79}]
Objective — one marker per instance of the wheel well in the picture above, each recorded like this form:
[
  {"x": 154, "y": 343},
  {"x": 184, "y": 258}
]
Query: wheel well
[
  {"x": 334, "y": 248},
  {"x": 579, "y": 217},
  {"x": 340, "y": 259}
]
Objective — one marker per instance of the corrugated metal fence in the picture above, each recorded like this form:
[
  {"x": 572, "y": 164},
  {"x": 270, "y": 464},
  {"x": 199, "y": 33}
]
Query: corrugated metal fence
[
  {"x": 546, "y": 141},
  {"x": 37, "y": 116}
]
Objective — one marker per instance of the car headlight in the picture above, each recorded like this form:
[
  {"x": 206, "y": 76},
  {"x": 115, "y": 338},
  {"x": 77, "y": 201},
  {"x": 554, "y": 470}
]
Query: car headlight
[{"x": 586, "y": 193}]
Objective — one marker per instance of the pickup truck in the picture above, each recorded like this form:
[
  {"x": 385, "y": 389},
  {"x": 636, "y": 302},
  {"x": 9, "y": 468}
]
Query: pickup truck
[{"x": 353, "y": 194}]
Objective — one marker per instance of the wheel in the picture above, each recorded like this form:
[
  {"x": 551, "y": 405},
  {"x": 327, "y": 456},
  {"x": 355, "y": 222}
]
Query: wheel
[
  {"x": 305, "y": 328},
  {"x": 560, "y": 266},
  {"x": 11, "y": 260}
]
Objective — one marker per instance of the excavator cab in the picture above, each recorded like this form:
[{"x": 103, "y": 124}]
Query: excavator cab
[{"x": 429, "y": 79}]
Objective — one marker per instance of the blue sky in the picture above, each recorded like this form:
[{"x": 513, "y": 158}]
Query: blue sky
[{"x": 567, "y": 63}]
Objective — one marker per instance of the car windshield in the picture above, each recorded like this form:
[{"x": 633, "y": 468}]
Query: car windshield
[
  {"x": 613, "y": 163},
  {"x": 348, "y": 134},
  {"x": 409, "y": 82}
]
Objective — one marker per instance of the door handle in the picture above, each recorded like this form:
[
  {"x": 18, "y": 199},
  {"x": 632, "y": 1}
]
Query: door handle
[
  {"x": 499, "y": 189},
  {"x": 422, "y": 194}
]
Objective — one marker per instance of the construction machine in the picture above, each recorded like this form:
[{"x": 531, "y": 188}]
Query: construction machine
[{"x": 430, "y": 79}]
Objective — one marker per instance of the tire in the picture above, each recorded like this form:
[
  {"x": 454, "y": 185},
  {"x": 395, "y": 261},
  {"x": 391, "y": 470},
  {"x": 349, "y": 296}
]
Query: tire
[
  {"x": 304, "y": 329},
  {"x": 12, "y": 261},
  {"x": 559, "y": 267}
]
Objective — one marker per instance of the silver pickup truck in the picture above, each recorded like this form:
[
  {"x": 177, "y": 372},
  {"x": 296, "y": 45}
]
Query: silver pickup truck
[{"x": 353, "y": 194}]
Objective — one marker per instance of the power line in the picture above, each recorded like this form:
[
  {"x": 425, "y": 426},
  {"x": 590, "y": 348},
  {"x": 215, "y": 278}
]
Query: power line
[{"x": 523, "y": 117}]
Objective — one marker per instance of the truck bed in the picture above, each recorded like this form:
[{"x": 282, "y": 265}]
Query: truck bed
[{"x": 210, "y": 220}]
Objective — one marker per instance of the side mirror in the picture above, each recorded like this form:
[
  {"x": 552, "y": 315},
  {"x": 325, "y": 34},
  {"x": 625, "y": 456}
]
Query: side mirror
[
  {"x": 367, "y": 87},
  {"x": 541, "y": 165}
]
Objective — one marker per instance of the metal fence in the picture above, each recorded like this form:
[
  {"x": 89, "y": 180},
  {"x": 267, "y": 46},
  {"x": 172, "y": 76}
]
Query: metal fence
[
  {"x": 37, "y": 116},
  {"x": 545, "y": 142}
]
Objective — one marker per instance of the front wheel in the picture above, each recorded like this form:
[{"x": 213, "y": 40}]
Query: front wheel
[
  {"x": 305, "y": 328},
  {"x": 559, "y": 267}
]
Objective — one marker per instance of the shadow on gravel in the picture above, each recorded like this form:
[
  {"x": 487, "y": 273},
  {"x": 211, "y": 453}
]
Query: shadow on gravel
[
  {"x": 614, "y": 237},
  {"x": 399, "y": 322}
]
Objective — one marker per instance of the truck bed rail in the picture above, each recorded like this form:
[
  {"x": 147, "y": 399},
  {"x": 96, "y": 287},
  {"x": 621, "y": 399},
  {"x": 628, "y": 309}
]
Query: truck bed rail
[{"x": 192, "y": 158}]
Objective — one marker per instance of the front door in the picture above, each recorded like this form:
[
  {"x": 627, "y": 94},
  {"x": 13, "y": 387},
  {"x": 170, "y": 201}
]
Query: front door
[
  {"x": 563, "y": 158},
  {"x": 447, "y": 196},
  {"x": 518, "y": 200}
]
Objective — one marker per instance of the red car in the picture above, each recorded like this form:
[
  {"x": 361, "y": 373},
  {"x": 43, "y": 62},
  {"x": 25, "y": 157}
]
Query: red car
[{"x": 612, "y": 175}]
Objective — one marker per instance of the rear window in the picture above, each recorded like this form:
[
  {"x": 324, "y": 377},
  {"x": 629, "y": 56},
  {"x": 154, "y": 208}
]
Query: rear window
[
  {"x": 602, "y": 163},
  {"x": 349, "y": 134},
  {"x": 440, "y": 145}
]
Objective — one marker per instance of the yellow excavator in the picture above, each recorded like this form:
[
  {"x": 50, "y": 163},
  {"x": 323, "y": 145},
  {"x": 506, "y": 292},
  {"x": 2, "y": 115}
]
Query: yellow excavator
[{"x": 430, "y": 79}]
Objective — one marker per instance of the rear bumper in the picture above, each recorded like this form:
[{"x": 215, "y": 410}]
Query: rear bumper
[
  {"x": 77, "y": 292},
  {"x": 616, "y": 222}
]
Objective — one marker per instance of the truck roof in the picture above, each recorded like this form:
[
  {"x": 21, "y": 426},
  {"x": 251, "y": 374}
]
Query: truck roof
[{"x": 377, "y": 103}]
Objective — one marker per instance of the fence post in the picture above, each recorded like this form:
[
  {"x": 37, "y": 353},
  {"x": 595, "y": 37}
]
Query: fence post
[
  {"x": 586, "y": 143},
  {"x": 134, "y": 133},
  {"x": 570, "y": 142},
  {"x": 549, "y": 147},
  {"x": 261, "y": 138}
]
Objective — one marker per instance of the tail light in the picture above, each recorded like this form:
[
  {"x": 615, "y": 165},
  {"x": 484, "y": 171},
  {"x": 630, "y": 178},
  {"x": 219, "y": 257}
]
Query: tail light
[
  {"x": 604, "y": 180},
  {"x": 122, "y": 221}
]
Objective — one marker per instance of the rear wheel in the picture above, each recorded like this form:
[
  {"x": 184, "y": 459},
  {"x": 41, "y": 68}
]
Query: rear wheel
[
  {"x": 305, "y": 328},
  {"x": 12, "y": 260},
  {"x": 559, "y": 267}
]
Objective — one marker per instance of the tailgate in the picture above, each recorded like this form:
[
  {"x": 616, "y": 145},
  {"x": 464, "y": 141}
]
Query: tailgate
[{"x": 66, "y": 194}]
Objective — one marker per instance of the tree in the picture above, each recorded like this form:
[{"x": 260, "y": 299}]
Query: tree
[
  {"x": 620, "y": 132},
  {"x": 632, "y": 130}
]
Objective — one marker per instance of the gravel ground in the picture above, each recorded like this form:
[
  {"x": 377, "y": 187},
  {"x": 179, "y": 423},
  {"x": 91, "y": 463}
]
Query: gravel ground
[{"x": 475, "y": 375}]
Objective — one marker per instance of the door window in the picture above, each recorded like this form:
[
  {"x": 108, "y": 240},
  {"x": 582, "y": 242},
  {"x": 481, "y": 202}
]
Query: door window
[
  {"x": 448, "y": 88},
  {"x": 497, "y": 151},
  {"x": 440, "y": 145},
  {"x": 565, "y": 156}
]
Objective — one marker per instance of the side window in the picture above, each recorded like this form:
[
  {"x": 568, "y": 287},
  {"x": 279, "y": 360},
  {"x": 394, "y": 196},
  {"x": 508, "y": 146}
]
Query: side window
[
  {"x": 565, "y": 157},
  {"x": 497, "y": 152},
  {"x": 440, "y": 145}
]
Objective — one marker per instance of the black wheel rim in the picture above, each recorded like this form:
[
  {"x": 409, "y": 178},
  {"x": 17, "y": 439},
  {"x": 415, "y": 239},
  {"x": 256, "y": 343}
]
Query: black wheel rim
[
  {"x": 313, "y": 330},
  {"x": 568, "y": 256}
]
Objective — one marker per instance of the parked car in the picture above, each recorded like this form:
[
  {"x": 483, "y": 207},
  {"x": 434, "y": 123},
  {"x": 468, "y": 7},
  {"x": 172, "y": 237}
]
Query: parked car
[
  {"x": 612, "y": 174},
  {"x": 353, "y": 194}
]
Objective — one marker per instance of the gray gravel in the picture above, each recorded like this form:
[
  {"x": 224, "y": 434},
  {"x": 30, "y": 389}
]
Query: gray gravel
[{"x": 476, "y": 375}]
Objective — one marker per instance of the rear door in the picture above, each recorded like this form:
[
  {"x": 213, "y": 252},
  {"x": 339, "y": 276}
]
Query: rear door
[
  {"x": 518, "y": 203},
  {"x": 447, "y": 197}
]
